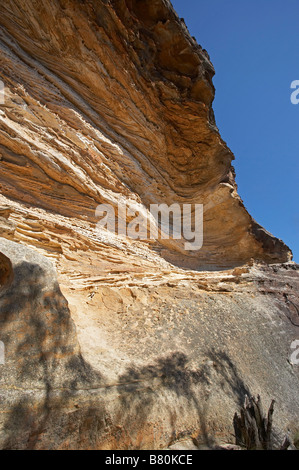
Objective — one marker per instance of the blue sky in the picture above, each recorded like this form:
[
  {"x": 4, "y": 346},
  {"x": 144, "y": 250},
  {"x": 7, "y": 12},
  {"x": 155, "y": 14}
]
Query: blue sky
[{"x": 254, "y": 47}]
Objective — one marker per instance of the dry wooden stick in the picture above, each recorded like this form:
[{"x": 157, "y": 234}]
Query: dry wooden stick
[{"x": 252, "y": 428}]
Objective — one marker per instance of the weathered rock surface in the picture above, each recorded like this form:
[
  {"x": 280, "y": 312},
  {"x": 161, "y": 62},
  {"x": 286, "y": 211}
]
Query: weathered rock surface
[
  {"x": 135, "y": 344},
  {"x": 111, "y": 101}
]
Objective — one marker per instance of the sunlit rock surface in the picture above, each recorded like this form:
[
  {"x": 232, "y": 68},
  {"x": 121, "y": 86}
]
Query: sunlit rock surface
[{"x": 135, "y": 344}]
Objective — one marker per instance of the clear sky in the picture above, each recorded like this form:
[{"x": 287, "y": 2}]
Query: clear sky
[{"x": 254, "y": 47}]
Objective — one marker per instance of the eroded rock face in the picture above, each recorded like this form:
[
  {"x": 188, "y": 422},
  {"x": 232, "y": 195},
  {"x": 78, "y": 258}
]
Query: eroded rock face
[
  {"x": 136, "y": 344},
  {"x": 156, "y": 364},
  {"x": 111, "y": 101}
]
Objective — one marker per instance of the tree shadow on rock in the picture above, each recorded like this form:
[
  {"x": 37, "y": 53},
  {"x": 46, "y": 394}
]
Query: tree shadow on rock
[
  {"x": 157, "y": 384},
  {"x": 167, "y": 377},
  {"x": 43, "y": 366},
  {"x": 230, "y": 379}
]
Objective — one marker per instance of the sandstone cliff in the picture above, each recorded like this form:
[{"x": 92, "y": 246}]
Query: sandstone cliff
[{"x": 137, "y": 343}]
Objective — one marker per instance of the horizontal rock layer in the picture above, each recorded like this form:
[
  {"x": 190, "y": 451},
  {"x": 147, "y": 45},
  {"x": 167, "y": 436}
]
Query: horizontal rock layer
[
  {"x": 111, "y": 102},
  {"x": 156, "y": 365}
]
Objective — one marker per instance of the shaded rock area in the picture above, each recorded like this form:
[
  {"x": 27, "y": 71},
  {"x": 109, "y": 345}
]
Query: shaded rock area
[
  {"x": 155, "y": 365},
  {"x": 112, "y": 343}
]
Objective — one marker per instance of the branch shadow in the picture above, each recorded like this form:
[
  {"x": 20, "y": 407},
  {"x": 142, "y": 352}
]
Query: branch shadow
[
  {"x": 43, "y": 356},
  {"x": 47, "y": 370},
  {"x": 140, "y": 391}
]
